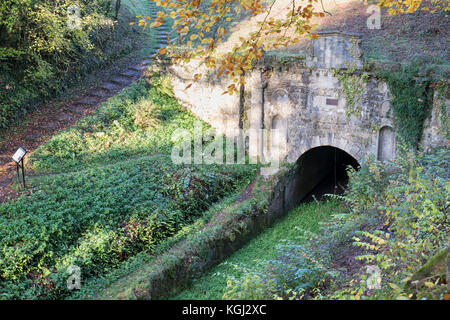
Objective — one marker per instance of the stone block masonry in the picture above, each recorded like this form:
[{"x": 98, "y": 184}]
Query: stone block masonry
[{"x": 306, "y": 97}]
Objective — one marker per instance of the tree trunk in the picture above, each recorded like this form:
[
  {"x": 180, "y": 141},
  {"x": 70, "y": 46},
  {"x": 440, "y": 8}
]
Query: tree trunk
[{"x": 117, "y": 9}]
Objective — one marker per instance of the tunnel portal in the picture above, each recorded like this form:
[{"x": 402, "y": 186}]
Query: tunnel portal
[{"x": 320, "y": 170}]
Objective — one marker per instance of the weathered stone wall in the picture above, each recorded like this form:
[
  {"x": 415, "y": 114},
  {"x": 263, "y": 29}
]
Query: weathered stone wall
[
  {"x": 312, "y": 103},
  {"x": 434, "y": 134},
  {"x": 204, "y": 98},
  {"x": 308, "y": 100},
  {"x": 226, "y": 233}
]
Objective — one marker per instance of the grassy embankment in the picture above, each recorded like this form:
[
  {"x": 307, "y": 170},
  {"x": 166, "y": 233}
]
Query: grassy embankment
[
  {"x": 264, "y": 247},
  {"x": 119, "y": 195},
  {"x": 51, "y": 60}
]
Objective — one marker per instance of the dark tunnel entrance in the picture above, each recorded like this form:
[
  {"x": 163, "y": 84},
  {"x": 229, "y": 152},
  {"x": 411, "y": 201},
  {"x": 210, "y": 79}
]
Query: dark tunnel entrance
[{"x": 320, "y": 171}]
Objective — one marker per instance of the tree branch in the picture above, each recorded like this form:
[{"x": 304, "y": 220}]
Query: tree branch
[{"x": 323, "y": 8}]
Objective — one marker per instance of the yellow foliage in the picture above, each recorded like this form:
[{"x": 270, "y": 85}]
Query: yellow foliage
[
  {"x": 204, "y": 20},
  {"x": 409, "y": 6}
]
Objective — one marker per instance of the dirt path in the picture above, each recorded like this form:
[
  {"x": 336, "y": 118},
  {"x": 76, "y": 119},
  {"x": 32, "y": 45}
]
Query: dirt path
[{"x": 55, "y": 116}]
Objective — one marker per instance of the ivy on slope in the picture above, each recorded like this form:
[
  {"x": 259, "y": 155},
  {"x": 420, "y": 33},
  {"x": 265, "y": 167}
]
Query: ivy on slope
[
  {"x": 98, "y": 218},
  {"x": 138, "y": 121},
  {"x": 411, "y": 101}
]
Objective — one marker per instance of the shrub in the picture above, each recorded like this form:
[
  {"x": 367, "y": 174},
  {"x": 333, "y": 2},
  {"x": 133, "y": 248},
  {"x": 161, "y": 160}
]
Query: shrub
[
  {"x": 415, "y": 211},
  {"x": 98, "y": 218},
  {"x": 396, "y": 219},
  {"x": 146, "y": 115},
  {"x": 41, "y": 56}
]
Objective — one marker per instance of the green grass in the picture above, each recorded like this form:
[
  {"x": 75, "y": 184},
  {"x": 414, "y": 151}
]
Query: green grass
[
  {"x": 262, "y": 248},
  {"x": 99, "y": 217},
  {"x": 119, "y": 195},
  {"x": 69, "y": 68},
  {"x": 138, "y": 121}
]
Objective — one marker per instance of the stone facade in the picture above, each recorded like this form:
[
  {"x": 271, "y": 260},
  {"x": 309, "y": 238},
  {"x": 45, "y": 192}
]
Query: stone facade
[
  {"x": 336, "y": 50},
  {"x": 434, "y": 129},
  {"x": 312, "y": 104},
  {"x": 307, "y": 99}
]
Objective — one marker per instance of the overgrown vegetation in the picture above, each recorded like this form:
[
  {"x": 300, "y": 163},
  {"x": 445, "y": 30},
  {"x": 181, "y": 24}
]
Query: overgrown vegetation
[
  {"x": 396, "y": 222},
  {"x": 414, "y": 210},
  {"x": 411, "y": 100},
  {"x": 185, "y": 254},
  {"x": 97, "y": 218},
  {"x": 352, "y": 86},
  {"x": 249, "y": 263},
  {"x": 43, "y": 51},
  {"x": 119, "y": 207},
  {"x": 121, "y": 282}
]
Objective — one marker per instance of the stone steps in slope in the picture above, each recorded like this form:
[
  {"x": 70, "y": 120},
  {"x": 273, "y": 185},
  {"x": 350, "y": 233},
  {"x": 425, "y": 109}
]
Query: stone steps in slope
[
  {"x": 87, "y": 101},
  {"x": 120, "y": 80},
  {"x": 109, "y": 86}
]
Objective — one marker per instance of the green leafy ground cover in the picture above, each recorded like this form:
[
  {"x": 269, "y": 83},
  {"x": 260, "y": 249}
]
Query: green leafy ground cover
[
  {"x": 42, "y": 57},
  {"x": 99, "y": 217},
  {"x": 184, "y": 254},
  {"x": 120, "y": 195},
  {"x": 251, "y": 258},
  {"x": 393, "y": 217},
  {"x": 139, "y": 120},
  {"x": 121, "y": 282}
]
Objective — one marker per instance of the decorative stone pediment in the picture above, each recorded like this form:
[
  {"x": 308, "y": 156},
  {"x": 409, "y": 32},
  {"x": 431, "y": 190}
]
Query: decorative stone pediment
[{"x": 336, "y": 50}]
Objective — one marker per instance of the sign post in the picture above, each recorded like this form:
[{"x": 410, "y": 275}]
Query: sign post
[{"x": 18, "y": 159}]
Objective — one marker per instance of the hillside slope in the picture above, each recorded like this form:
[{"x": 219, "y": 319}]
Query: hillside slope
[{"x": 402, "y": 38}]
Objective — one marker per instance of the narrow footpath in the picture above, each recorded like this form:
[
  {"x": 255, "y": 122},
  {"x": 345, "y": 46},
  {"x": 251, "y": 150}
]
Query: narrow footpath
[{"x": 55, "y": 116}]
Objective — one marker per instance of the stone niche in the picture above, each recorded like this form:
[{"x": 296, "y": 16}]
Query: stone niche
[
  {"x": 337, "y": 50},
  {"x": 386, "y": 143}
]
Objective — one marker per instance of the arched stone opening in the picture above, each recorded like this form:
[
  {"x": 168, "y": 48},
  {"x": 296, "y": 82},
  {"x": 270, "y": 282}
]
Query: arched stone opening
[
  {"x": 320, "y": 170},
  {"x": 277, "y": 122},
  {"x": 386, "y": 144}
]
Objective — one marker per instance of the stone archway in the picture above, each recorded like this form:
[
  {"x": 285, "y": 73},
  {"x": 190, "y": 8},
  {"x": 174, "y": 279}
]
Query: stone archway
[
  {"x": 320, "y": 170},
  {"x": 333, "y": 139}
]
